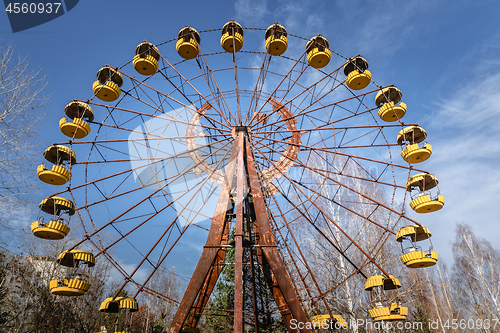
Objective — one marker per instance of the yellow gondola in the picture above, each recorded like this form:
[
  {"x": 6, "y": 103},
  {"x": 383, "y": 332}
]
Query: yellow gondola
[
  {"x": 378, "y": 285},
  {"x": 422, "y": 199},
  {"x": 387, "y": 283},
  {"x": 69, "y": 287},
  {"x": 74, "y": 258},
  {"x": 110, "y": 305},
  {"x": 419, "y": 259},
  {"x": 60, "y": 156},
  {"x": 121, "y": 306},
  {"x": 416, "y": 147},
  {"x": 76, "y": 283},
  {"x": 392, "y": 313},
  {"x": 357, "y": 74},
  {"x": 57, "y": 227},
  {"x": 107, "y": 86},
  {"x": 78, "y": 112},
  {"x": 387, "y": 100},
  {"x": 187, "y": 43},
  {"x": 232, "y": 37},
  {"x": 412, "y": 256},
  {"x": 276, "y": 40},
  {"x": 52, "y": 230},
  {"x": 318, "y": 52},
  {"x": 146, "y": 59}
]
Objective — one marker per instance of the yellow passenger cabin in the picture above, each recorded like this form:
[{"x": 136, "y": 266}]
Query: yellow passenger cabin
[
  {"x": 423, "y": 199},
  {"x": 122, "y": 307},
  {"x": 79, "y": 113},
  {"x": 382, "y": 288},
  {"x": 107, "y": 86},
  {"x": 318, "y": 52},
  {"x": 381, "y": 281},
  {"x": 61, "y": 157},
  {"x": 357, "y": 74},
  {"x": 387, "y": 100},
  {"x": 57, "y": 228},
  {"x": 389, "y": 313},
  {"x": 76, "y": 286},
  {"x": 75, "y": 282},
  {"x": 114, "y": 305},
  {"x": 146, "y": 59},
  {"x": 188, "y": 40},
  {"x": 276, "y": 40},
  {"x": 75, "y": 258},
  {"x": 232, "y": 37},
  {"x": 413, "y": 256},
  {"x": 416, "y": 149}
]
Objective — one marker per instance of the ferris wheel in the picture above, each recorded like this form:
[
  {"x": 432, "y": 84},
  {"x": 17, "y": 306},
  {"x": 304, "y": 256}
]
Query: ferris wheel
[{"x": 238, "y": 139}]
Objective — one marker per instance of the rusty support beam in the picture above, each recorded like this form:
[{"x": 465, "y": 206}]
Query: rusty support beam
[
  {"x": 208, "y": 287},
  {"x": 269, "y": 249},
  {"x": 238, "y": 238}
]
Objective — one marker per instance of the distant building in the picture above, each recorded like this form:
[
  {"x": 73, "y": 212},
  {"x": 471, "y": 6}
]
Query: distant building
[{"x": 45, "y": 266}]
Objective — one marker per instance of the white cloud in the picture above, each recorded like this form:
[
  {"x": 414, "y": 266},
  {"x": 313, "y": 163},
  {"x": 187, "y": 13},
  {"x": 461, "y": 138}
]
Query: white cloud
[{"x": 250, "y": 12}]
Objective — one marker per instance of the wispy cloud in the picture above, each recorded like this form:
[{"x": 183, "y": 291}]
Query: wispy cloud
[
  {"x": 297, "y": 16},
  {"x": 251, "y": 12}
]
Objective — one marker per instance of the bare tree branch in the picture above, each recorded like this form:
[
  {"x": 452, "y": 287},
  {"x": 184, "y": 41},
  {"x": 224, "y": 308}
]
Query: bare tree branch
[{"x": 21, "y": 104}]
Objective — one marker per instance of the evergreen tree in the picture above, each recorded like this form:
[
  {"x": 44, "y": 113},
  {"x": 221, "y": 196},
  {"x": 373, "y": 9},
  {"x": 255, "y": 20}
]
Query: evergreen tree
[
  {"x": 223, "y": 298},
  {"x": 420, "y": 316}
]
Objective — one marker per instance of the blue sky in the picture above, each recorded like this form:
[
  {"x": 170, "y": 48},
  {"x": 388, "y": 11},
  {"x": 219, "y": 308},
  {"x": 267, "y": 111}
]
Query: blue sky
[{"x": 443, "y": 55}]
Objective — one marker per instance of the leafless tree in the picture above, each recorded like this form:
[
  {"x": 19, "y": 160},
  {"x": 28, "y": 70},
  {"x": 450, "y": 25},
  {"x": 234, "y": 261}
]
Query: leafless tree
[
  {"x": 160, "y": 311},
  {"x": 476, "y": 276},
  {"x": 21, "y": 104}
]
